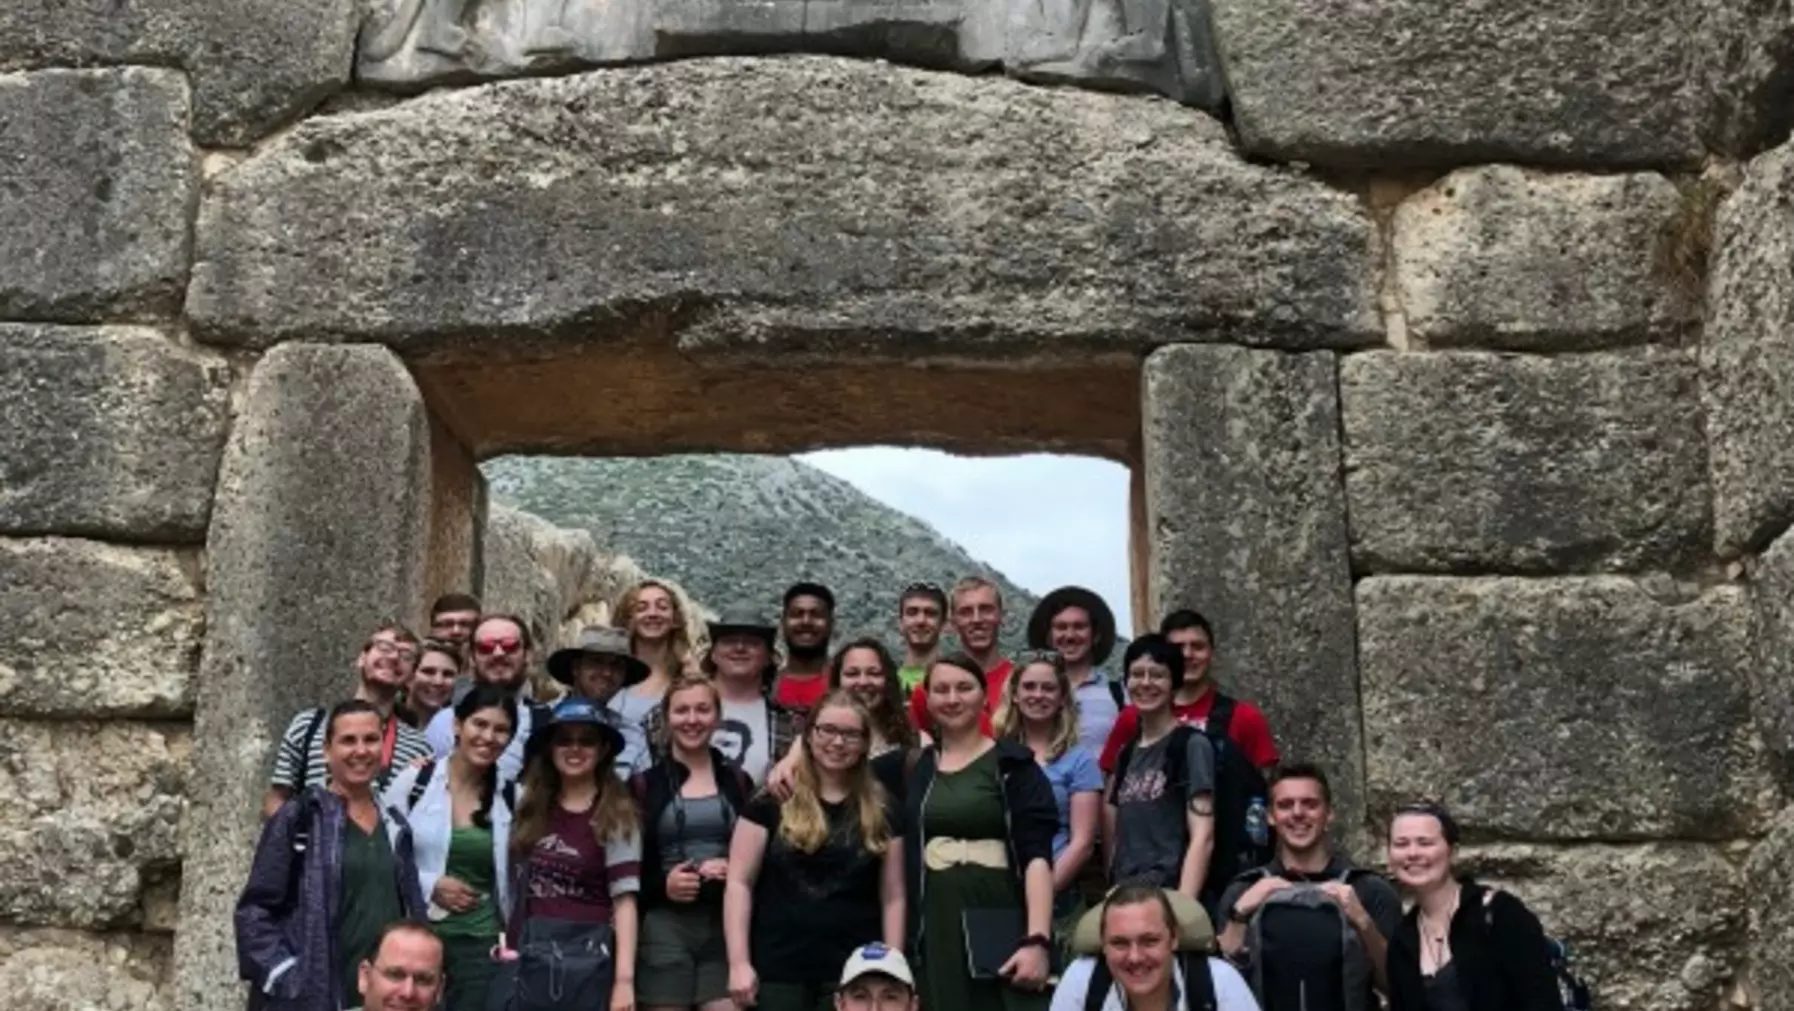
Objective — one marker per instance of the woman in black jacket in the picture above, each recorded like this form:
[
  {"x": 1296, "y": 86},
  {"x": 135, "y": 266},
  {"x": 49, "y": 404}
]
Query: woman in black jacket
[
  {"x": 982, "y": 817},
  {"x": 1462, "y": 947}
]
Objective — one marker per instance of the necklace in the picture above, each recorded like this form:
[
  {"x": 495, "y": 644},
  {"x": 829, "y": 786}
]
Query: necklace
[{"x": 1435, "y": 941}]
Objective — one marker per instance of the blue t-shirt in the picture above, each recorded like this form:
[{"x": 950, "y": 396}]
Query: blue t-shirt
[{"x": 1076, "y": 771}]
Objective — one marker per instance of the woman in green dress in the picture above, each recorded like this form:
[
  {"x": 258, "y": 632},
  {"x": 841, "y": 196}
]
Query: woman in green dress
[
  {"x": 461, "y": 821},
  {"x": 982, "y": 817}
]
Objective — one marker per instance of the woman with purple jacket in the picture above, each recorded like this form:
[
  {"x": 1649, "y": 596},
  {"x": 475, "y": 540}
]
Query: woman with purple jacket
[{"x": 330, "y": 872}]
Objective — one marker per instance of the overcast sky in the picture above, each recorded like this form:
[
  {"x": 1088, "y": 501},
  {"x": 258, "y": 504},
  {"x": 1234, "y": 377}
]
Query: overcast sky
[{"x": 1071, "y": 529}]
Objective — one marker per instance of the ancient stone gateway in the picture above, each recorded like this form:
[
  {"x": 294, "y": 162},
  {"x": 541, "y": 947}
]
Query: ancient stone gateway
[{"x": 1452, "y": 351}]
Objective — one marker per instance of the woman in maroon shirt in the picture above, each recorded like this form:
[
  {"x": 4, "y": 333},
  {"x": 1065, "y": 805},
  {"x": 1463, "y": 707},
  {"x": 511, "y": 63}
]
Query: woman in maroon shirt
[{"x": 576, "y": 852}]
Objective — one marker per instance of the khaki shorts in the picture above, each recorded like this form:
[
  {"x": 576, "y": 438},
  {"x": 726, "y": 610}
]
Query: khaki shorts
[{"x": 683, "y": 960}]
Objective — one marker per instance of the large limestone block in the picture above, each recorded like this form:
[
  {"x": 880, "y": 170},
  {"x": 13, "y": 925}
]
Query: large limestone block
[
  {"x": 535, "y": 569},
  {"x": 1414, "y": 82},
  {"x": 86, "y": 811},
  {"x": 1562, "y": 708},
  {"x": 254, "y": 63},
  {"x": 1244, "y": 501},
  {"x": 1771, "y": 875},
  {"x": 97, "y": 629},
  {"x": 1747, "y": 356},
  {"x": 1653, "y": 927},
  {"x": 1482, "y": 462},
  {"x": 320, "y": 531},
  {"x": 1499, "y": 256},
  {"x": 112, "y": 432},
  {"x": 72, "y": 970},
  {"x": 1772, "y": 598},
  {"x": 96, "y": 192},
  {"x": 799, "y": 204}
]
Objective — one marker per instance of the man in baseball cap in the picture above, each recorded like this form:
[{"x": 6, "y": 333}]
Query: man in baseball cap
[{"x": 876, "y": 978}]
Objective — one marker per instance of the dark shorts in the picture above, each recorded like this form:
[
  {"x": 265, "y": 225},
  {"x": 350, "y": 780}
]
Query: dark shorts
[{"x": 683, "y": 959}]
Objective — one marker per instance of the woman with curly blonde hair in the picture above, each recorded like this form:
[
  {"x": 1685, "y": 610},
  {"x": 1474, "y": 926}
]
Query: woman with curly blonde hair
[
  {"x": 577, "y": 843},
  {"x": 658, "y": 636},
  {"x": 816, "y": 876}
]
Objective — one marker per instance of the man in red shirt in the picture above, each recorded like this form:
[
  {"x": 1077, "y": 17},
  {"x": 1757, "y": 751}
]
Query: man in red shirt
[
  {"x": 808, "y": 623},
  {"x": 1248, "y": 729},
  {"x": 977, "y": 619}
]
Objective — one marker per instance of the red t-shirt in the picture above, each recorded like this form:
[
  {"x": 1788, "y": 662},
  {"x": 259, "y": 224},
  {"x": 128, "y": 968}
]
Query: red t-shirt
[
  {"x": 994, "y": 680},
  {"x": 800, "y": 693},
  {"x": 1248, "y": 729}
]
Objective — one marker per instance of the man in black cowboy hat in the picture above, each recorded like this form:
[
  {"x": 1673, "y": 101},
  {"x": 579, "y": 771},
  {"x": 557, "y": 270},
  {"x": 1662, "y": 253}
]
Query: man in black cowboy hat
[
  {"x": 596, "y": 668},
  {"x": 1078, "y": 625}
]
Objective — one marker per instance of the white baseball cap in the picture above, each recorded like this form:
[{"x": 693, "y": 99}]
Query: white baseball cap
[{"x": 876, "y": 958}]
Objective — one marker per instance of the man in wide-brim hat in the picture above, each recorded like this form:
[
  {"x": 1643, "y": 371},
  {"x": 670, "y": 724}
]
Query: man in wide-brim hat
[
  {"x": 1078, "y": 624},
  {"x": 596, "y": 668}
]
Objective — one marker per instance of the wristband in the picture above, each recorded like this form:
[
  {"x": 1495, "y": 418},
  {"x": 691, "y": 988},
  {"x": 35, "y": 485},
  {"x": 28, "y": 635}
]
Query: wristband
[
  {"x": 1235, "y": 916},
  {"x": 1034, "y": 941}
]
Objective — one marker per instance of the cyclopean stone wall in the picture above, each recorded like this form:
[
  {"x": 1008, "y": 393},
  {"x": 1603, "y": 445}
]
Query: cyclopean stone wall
[{"x": 1453, "y": 349}]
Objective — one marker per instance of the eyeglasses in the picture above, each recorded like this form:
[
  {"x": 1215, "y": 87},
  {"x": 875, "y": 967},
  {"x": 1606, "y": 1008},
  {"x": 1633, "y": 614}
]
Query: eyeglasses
[
  {"x": 397, "y": 976},
  {"x": 488, "y": 647},
  {"x": 830, "y": 732},
  {"x": 384, "y": 647}
]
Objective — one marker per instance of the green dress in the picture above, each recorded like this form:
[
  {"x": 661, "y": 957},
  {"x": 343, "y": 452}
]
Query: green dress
[
  {"x": 967, "y": 804},
  {"x": 468, "y": 937}
]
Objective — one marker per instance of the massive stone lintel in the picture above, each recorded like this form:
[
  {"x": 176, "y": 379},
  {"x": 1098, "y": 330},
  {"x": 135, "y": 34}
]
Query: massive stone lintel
[
  {"x": 254, "y": 63},
  {"x": 97, "y": 629},
  {"x": 1562, "y": 708},
  {"x": 96, "y": 191},
  {"x": 321, "y": 530},
  {"x": 110, "y": 432},
  {"x": 1478, "y": 462},
  {"x": 803, "y": 198},
  {"x": 1247, "y": 514},
  {"x": 1747, "y": 357}
]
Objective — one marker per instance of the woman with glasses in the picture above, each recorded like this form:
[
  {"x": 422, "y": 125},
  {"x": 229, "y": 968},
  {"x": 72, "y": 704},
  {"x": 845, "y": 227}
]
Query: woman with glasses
[
  {"x": 813, "y": 877},
  {"x": 312, "y": 912},
  {"x": 690, "y": 800},
  {"x": 1462, "y": 947},
  {"x": 979, "y": 871},
  {"x": 432, "y": 685},
  {"x": 865, "y": 670},
  {"x": 1040, "y": 712},
  {"x": 577, "y": 844},
  {"x": 462, "y": 821}
]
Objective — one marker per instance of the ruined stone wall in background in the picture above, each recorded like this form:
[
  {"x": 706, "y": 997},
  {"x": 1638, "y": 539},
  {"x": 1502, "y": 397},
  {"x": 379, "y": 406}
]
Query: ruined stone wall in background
[{"x": 1454, "y": 343}]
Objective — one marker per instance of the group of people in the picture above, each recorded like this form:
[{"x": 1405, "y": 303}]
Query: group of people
[{"x": 718, "y": 827}]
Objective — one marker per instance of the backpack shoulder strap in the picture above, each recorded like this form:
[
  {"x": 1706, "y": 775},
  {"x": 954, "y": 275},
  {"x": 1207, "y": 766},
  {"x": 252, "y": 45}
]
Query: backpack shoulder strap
[
  {"x": 1220, "y": 715},
  {"x": 1100, "y": 982},
  {"x": 1118, "y": 693},
  {"x": 1121, "y": 763},
  {"x": 418, "y": 786},
  {"x": 1199, "y": 982},
  {"x": 312, "y": 727},
  {"x": 1177, "y": 758}
]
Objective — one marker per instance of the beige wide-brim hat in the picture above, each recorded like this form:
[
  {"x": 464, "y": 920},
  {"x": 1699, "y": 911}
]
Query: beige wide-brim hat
[
  {"x": 598, "y": 641},
  {"x": 1194, "y": 931}
]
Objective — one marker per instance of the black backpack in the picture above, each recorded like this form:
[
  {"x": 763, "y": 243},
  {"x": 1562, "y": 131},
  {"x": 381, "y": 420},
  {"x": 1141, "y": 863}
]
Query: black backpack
[
  {"x": 1242, "y": 831},
  {"x": 1570, "y": 987},
  {"x": 1199, "y": 983},
  {"x": 1305, "y": 955}
]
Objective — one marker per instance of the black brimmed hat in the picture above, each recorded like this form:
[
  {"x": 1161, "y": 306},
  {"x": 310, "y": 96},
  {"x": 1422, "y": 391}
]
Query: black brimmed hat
[
  {"x": 743, "y": 623},
  {"x": 1102, "y": 620}
]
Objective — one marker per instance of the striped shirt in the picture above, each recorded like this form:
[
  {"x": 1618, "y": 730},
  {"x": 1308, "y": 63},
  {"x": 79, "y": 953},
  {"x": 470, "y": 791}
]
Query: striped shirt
[{"x": 300, "y": 761}]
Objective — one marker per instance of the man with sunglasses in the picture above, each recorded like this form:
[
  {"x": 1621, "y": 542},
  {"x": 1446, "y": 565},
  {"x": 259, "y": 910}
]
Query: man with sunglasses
[
  {"x": 921, "y": 614},
  {"x": 383, "y": 667},
  {"x": 501, "y": 657}
]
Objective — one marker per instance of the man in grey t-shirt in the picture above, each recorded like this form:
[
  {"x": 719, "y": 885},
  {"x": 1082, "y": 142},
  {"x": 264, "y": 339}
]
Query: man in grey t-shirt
[{"x": 1161, "y": 801}]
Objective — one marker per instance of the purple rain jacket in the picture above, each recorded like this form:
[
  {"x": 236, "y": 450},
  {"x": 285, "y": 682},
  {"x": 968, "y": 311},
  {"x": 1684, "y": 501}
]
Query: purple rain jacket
[{"x": 286, "y": 946}]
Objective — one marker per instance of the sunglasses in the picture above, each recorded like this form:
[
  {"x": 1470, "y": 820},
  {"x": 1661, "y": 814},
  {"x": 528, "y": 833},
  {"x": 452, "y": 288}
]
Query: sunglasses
[{"x": 488, "y": 647}]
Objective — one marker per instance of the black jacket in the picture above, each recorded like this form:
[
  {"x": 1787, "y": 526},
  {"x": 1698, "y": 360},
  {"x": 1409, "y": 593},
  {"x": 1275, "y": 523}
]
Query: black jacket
[
  {"x": 1498, "y": 947},
  {"x": 654, "y": 792},
  {"x": 1028, "y": 809}
]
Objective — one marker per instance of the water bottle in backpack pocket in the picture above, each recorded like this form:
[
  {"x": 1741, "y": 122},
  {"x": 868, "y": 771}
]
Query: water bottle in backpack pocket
[{"x": 1305, "y": 954}]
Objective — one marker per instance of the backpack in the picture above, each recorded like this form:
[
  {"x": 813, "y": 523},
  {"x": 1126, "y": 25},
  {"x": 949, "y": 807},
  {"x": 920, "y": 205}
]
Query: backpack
[
  {"x": 1242, "y": 836},
  {"x": 506, "y": 792},
  {"x": 1306, "y": 956},
  {"x": 302, "y": 826},
  {"x": 1570, "y": 987},
  {"x": 311, "y": 736}
]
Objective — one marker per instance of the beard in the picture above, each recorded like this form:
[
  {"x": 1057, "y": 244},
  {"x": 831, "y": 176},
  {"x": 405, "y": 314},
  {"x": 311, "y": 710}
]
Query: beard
[{"x": 810, "y": 653}]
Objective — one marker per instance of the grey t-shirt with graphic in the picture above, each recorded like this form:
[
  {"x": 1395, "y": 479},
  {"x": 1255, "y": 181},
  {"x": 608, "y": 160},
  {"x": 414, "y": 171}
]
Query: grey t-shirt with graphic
[{"x": 1151, "y": 831}]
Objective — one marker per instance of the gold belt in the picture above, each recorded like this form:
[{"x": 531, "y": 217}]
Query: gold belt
[{"x": 942, "y": 853}]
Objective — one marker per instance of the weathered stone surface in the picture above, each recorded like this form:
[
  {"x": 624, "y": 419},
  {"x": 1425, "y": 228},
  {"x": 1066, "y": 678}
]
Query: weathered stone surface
[
  {"x": 779, "y": 204},
  {"x": 1654, "y": 927},
  {"x": 1770, "y": 872},
  {"x": 95, "y": 193},
  {"x": 1561, "y": 708},
  {"x": 85, "y": 810},
  {"x": 1742, "y": 61},
  {"x": 1248, "y": 519},
  {"x": 112, "y": 432},
  {"x": 1162, "y": 46},
  {"x": 1772, "y": 598},
  {"x": 1481, "y": 462},
  {"x": 301, "y": 569},
  {"x": 96, "y": 629},
  {"x": 254, "y": 63},
  {"x": 1502, "y": 257},
  {"x": 1411, "y": 82},
  {"x": 71, "y": 970},
  {"x": 535, "y": 569},
  {"x": 1747, "y": 357}
]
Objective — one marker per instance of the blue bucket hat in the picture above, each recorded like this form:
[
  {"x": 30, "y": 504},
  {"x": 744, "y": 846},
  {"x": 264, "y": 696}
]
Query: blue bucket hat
[{"x": 581, "y": 712}]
